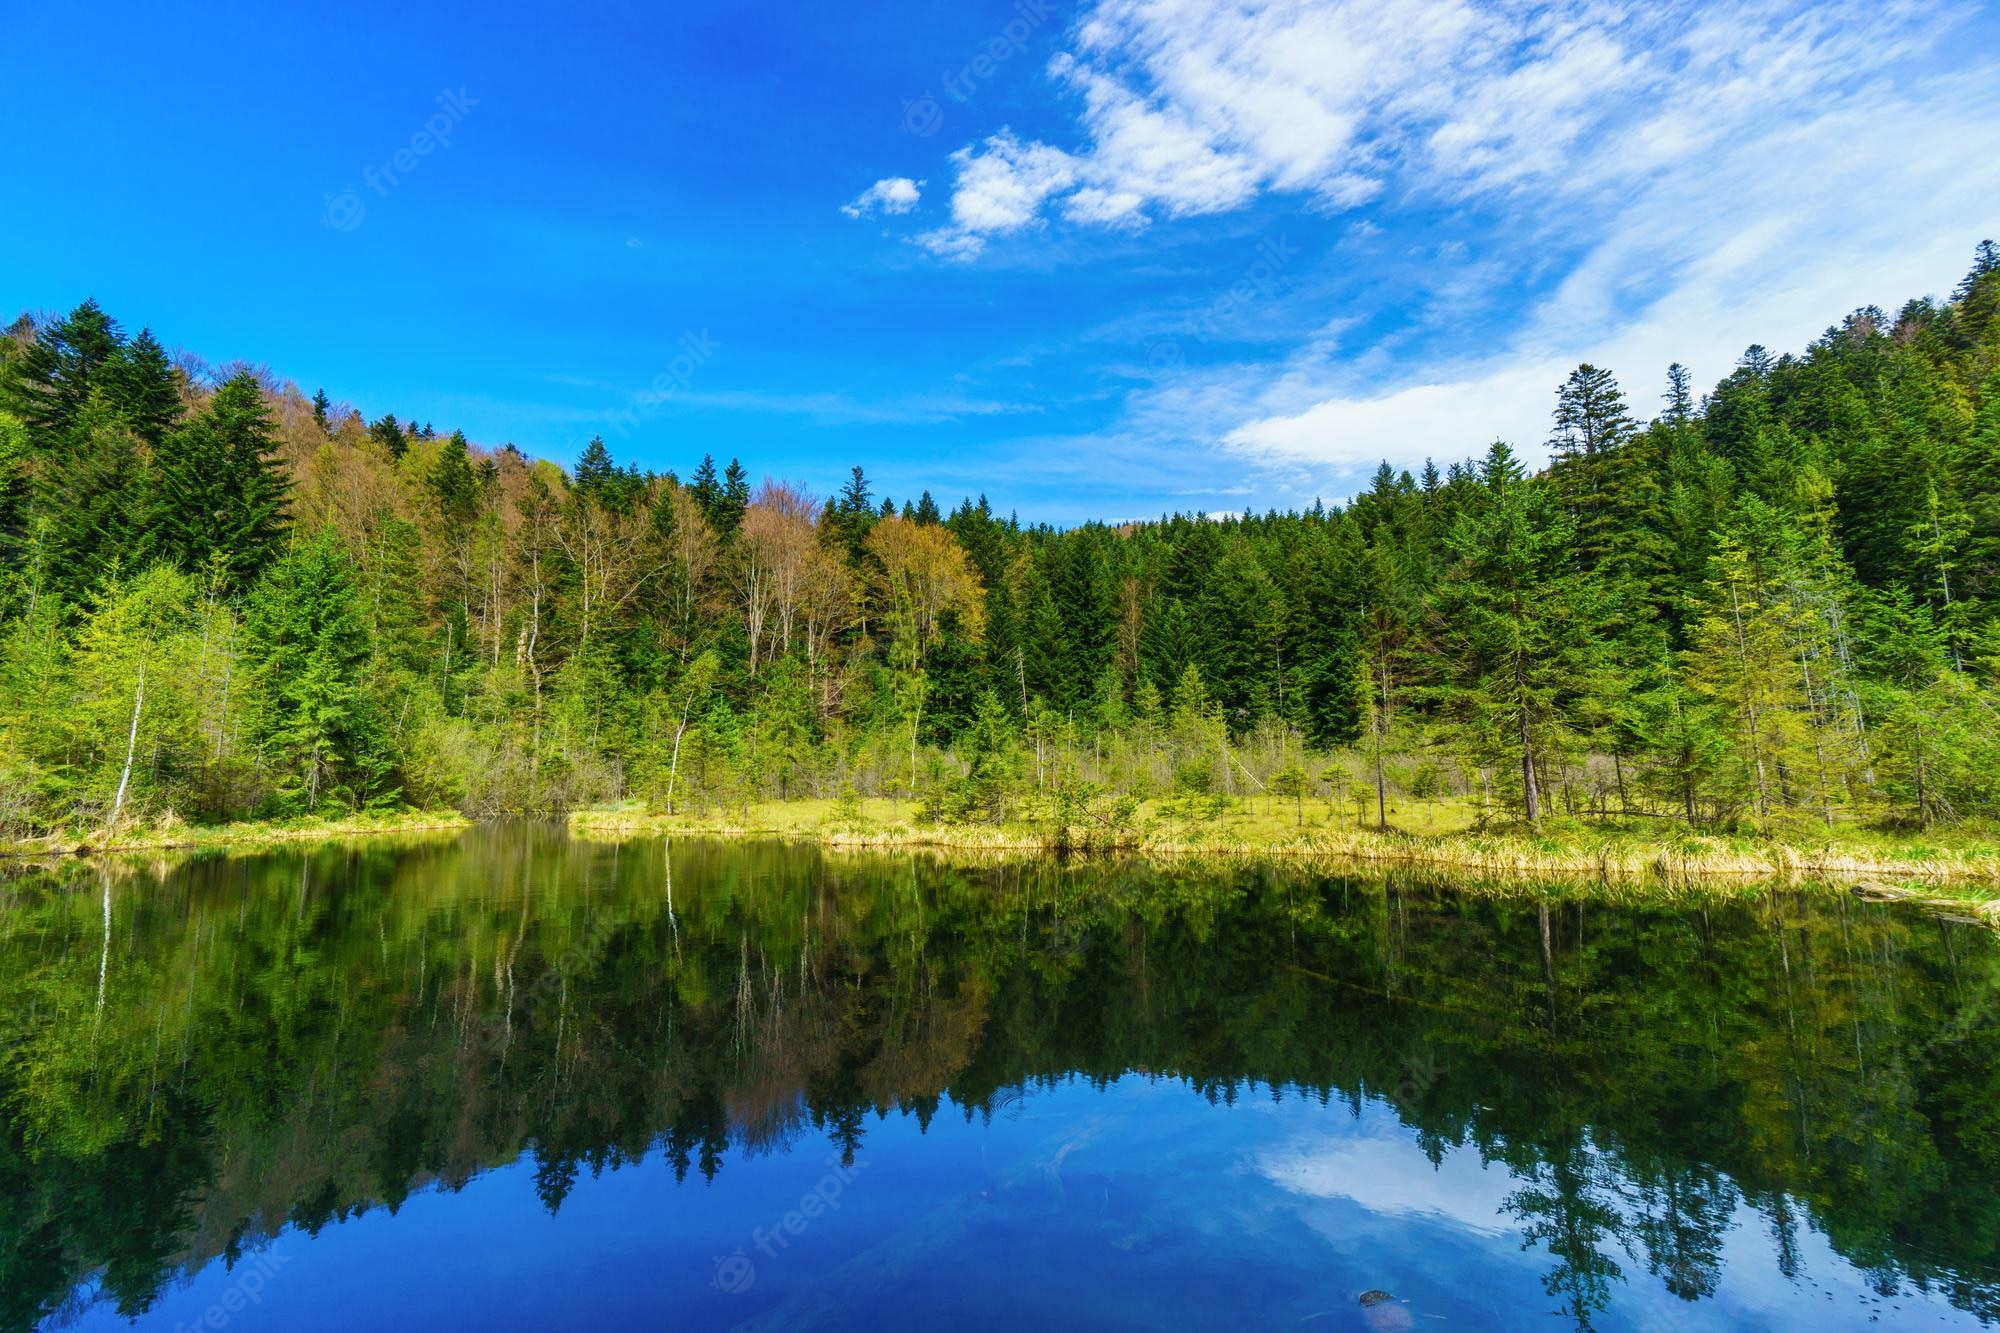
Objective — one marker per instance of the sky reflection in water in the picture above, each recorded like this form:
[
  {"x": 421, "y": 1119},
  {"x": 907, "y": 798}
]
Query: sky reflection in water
[{"x": 985, "y": 1097}]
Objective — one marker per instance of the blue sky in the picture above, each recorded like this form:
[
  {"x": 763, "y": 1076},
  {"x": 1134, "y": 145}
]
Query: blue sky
[{"x": 1149, "y": 255}]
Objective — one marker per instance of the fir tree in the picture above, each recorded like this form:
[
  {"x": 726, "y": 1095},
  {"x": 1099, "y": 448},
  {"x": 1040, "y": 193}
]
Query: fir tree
[
  {"x": 388, "y": 433},
  {"x": 51, "y": 380},
  {"x": 223, "y": 493},
  {"x": 1514, "y": 629},
  {"x": 144, "y": 390},
  {"x": 735, "y": 499},
  {"x": 94, "y": 504},
  {"x": 308, "y": 642},
  {"x": 454, "y": 484}
]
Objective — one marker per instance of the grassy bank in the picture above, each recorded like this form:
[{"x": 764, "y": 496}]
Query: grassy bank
[
  {"x": 171, "y": 834},
  {"x": 1959, "y": 866}
]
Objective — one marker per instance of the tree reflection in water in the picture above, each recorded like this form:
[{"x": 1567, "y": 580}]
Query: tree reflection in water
[{"x": 290, "y": 1039}]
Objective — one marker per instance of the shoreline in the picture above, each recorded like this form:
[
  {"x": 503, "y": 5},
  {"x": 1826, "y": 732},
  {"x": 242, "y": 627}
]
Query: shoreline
[
  {"x": 243, "y": 834},
  {"x": 1965, "y": 877}
]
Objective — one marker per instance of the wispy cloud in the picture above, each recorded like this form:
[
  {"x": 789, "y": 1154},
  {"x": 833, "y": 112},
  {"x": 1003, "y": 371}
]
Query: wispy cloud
[
  {"x": 1188, "y": 108},
  {"x": 846, "y": 409},
  {"x": 1639, "y": 184}
]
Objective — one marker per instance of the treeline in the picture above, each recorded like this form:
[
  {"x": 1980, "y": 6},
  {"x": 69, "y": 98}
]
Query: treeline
[{"x": 1774, "y": 605}]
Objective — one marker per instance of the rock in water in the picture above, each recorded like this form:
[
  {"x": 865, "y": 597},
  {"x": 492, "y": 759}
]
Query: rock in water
[{"x": 1383, "y": 1313}]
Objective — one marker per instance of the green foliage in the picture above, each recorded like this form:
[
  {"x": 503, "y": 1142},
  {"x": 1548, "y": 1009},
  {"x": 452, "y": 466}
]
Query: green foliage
[
  {"x": 307, "y": 642},
  {"x": 223, "y": 495},
  {"x": 1515, "y": 628}
]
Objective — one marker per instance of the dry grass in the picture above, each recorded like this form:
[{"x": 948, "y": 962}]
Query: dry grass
[{"x": 1963, "y": 872}]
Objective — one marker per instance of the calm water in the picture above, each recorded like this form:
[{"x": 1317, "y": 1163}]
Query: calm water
[{"x": 514, "y": 1081}]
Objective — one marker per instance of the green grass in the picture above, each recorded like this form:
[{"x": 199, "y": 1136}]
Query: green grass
[{"x": 170, "y": 833}]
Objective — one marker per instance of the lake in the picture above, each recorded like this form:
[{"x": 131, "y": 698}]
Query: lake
[{"x": 511, "y": 1080}]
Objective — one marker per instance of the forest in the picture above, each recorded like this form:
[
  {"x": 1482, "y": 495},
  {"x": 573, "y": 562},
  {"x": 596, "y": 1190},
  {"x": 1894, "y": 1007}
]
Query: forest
[{"x": 1773, "y": 606}]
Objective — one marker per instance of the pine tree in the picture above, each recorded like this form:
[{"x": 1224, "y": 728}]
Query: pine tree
[
  {"x": 322, "y": 407},
  {"x": 307, "y": 640},
  {"x": 454, "y": 484},
  {"x": 1242, "y": 616},
  {"x": 735, "y": 500},
  {"x": 16, "y": 487},
  {"x": 51, "y": 380},
  {"x": 1679, "y": 397},
  {"x": 223, "y": 492},
  {"x": 1513, "y": 628},
  {"x": 388, "y": 433},
  {"x": 1591, "y": 417},
  {"x": 847, "y": 520},
  {"x": 94, "y": 502},
  {"x": 1976, "y": 302},
  {"x": 594, "y": 468},
  {"x": 1084, "y": 602},
  {"x": 143, "y": 388},
  {"x": 705, "y": 487}
]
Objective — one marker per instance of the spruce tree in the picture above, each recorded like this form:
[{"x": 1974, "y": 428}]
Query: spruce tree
[
  {"x": 144, "y": 390},
  {"x": 735, "y": 499},
  {"x": 223, "y": 492},
  {"x": 1514, "y": 630},
  {"x": 51, "y": 380},
  {"x": 93, "y": 504},
  {"x": 388, "y": 433},
  {"x": 307, "y": 639},
  {"x": 705, "y": 488}
]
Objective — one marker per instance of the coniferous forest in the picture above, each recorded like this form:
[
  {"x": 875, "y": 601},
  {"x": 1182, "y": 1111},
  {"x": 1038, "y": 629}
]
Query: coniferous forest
[{"x": 1772, "y": 604}]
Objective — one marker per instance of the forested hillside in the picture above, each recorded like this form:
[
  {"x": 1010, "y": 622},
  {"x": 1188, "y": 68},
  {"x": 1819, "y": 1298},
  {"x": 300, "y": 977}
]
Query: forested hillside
[{"x": 1776, "y": 604}]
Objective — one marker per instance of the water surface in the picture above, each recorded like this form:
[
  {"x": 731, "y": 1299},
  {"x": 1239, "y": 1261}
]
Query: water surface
[{"x": 515, "y": 1081}]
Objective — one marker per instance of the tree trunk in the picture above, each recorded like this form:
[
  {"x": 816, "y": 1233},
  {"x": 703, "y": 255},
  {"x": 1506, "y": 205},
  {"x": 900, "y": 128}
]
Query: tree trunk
[
  {"x": 1381, "y": 725},
  {"x": 674, "y": 769},
  {"x": 1531, "y": 794},
  {"x": 131, "y": 747}
]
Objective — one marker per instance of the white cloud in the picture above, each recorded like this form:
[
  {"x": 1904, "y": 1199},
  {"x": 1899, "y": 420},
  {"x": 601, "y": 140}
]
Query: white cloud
[
  {"x": 1767, "y": 238},
  {"x": 1189, "y": 107},
  {"x": 1001, "y": 188},
  {"x": 896, "y": 194},
  {"x": 1379, "y": 1167},
  {"x": 1639, "y": 184},
  {"x": 1695, "y": 177}
]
